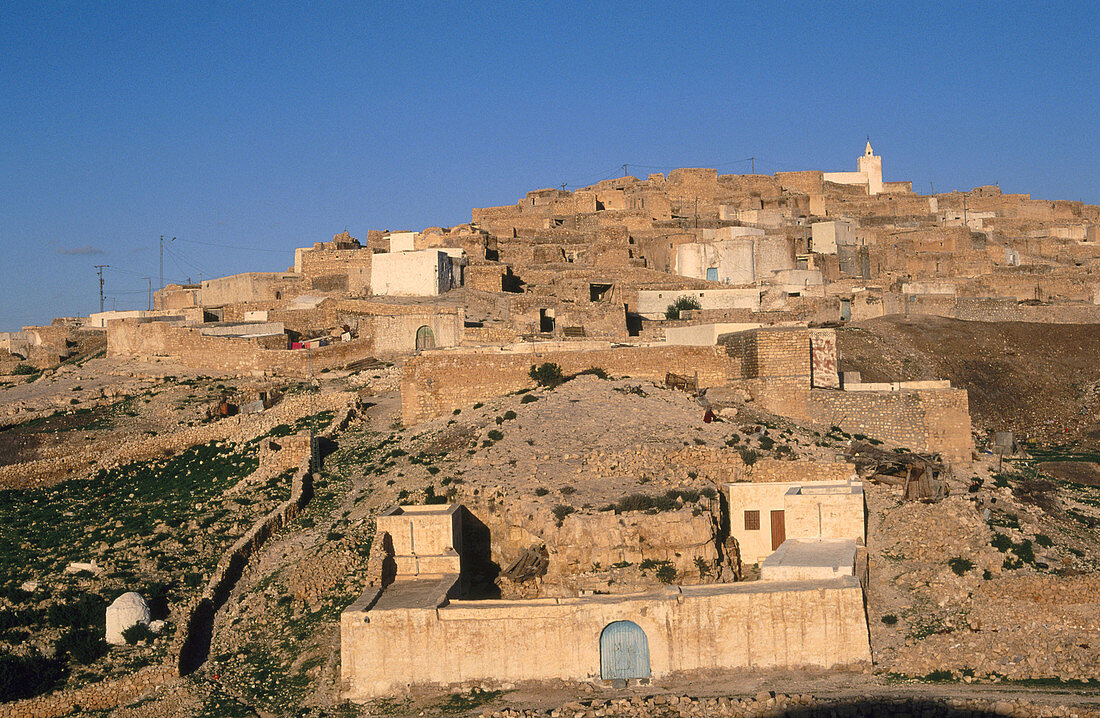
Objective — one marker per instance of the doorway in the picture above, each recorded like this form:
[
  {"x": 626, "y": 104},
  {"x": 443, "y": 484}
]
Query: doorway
[
  {"x": 779, "y": 528},
  {"x": 425, "y": 339},
  {"x": 624, "y": 651}
]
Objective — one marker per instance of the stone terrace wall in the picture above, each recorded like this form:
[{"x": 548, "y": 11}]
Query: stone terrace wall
[
  {"x": 104, "y": 695},
  {"x": 1005, "y": 309},
  {"x": 435, "y": 383},
  {"x": 936, "y": 420}
]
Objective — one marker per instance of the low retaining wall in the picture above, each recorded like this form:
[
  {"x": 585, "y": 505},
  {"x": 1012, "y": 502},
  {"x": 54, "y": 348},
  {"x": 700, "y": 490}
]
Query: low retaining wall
[
  {"x": 93, "y": 697},
  {"x": 194, "y": 639}
]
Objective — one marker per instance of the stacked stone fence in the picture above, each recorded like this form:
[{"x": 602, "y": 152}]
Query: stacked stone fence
[{"x": 104, "y": 695}]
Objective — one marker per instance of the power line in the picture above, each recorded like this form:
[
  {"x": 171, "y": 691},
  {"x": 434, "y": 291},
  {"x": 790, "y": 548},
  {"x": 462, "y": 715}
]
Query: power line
[{"x": 233, "y": 246}]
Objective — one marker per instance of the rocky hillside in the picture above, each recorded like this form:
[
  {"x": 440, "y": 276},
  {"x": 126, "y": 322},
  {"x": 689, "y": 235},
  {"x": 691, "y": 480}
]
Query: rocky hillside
[{"x": 1040, "y": 380}]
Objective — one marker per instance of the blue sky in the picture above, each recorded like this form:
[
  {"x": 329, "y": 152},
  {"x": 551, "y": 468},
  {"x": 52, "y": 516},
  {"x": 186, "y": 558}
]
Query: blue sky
[{"x": 247, "y": 129}]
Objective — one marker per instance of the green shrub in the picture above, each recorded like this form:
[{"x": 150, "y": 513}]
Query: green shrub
[
  {"x": 479, "y": 405},
  {"x": 542, "y": 491},
  {"x": 528, "y": 398},
  {"x": 766, "y": 443},
  {"x": 509, "y": 415},
  {"x": 889, "y": 619},
  {"x": 1001, "y": 542},
  {"x": 28, "y": 676},
  {"x": 547, "y": 374},
  {"x": 734, "y": 438},
  {"x": 82, "y": 645},
  {"x": 681, "y": 303},
  {"x": 748, "y": 456},
  {"x": 87, "y": 610},
  {"x": 137, "y": 632},
  {"x": 645, "y": 502},
  {"x": 561, "y": 511},
  {"x": 495, "y": 435},
  {"x": 24, "y": 370},
  {"x": 567, "y": 490},
  {"x": 960, "y": 565},
  {"x": 939, "y": 675},
  {"x": 1044, "y": 540},
  {"x": 666, "y": 572},
  {"x": 594, "y": 371}
]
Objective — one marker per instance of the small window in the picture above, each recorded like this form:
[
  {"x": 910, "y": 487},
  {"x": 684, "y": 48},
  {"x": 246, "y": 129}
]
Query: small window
[{"x": 752, "y": 520}]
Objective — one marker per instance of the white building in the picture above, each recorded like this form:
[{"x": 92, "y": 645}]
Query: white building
[
  {"x": 869, "y": 173},
  {"x": 423, "y": 273}
]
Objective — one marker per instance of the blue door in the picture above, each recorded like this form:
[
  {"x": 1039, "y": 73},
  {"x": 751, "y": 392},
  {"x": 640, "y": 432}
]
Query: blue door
[
  {"x": 712, "y": 274},
  {"x": 624, "y": 651}
]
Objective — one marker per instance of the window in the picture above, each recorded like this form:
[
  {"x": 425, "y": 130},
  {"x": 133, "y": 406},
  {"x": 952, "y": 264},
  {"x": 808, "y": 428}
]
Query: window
[{"x": 752, "y": 520}]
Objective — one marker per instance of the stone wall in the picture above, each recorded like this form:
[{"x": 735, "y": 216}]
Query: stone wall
[
  {"x": 730, "y": 626},
  {"x": 101, "y": 696},
  {"x": 435, "y": 383},
  {"x": 188, "y": 346},
  {"x": 936, "y": 420}
]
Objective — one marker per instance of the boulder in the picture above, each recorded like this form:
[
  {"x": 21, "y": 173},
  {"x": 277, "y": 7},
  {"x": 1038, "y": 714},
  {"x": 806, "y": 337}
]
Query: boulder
[{"x": 125, "y": 611}]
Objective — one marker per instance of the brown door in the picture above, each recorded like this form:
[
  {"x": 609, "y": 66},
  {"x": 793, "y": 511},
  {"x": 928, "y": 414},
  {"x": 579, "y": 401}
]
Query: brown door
[{"x": 779, "y": 529}]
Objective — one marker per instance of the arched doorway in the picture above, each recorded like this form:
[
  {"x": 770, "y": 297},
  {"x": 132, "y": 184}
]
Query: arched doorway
[
  {"x": 425, "y": 339},
  {"x": 624, "y": 651}
]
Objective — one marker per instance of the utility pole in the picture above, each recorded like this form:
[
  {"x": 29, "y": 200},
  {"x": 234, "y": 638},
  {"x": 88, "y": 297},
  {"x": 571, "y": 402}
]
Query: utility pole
[
  {"x": 150, "y": 280},
  {"x": 562, "y": 186},
  {"x": 753, "y": 161},
  {"x": 99, "y": 270},
  {"x": 624, "y": 170},
  {"x": 172, "y": 239}
]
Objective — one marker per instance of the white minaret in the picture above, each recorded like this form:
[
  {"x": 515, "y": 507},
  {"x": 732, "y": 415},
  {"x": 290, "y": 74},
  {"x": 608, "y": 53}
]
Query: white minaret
[{"x": 871, "y": 166}]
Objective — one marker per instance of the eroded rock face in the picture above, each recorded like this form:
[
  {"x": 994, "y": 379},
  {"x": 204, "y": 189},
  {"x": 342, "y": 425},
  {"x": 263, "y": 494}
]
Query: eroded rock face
[{"x": 125, "y": 611}]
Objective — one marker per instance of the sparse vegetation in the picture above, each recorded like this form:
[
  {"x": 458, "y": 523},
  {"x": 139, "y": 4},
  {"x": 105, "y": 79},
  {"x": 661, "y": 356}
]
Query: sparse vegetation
[
  {"x": 960, "y": 565},
  {"x": 547, "y": 374},
  {"x": 560, "y": 512},
  {"x": 681, "y": 304}
]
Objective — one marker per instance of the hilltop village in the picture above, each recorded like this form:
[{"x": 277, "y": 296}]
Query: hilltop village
[{"x": 693, "y": 444}]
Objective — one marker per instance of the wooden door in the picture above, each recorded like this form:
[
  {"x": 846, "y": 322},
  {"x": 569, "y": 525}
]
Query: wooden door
[
  {"x": 779, "y": 529},
  {"x": 624, "y": 651}
]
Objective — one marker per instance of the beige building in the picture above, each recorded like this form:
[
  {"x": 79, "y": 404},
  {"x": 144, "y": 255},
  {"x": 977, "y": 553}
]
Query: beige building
[
  {"x": 764, "y": 515},
  {"x": 410, "y": 629},
  {"x": 827, "y": 236}
]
